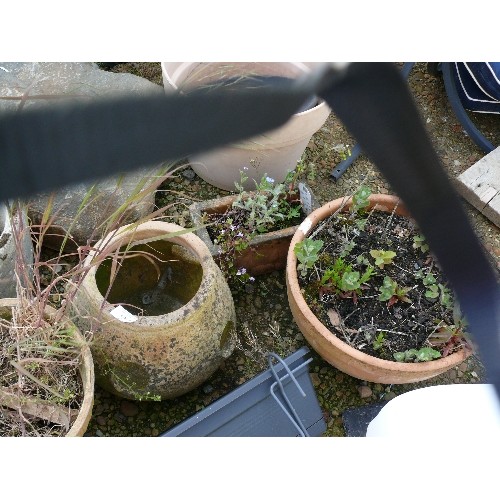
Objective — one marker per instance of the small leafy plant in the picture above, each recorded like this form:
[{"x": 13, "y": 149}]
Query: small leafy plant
[
  {"x": 391, "y": 292},
  {"x": 446, "y": 298},
  {"x": 420, "y": 244},
  {"x": 302, "y": 170},
  {"x": 382, "y": 257},
  {"x": 352, "y": 281},
  {"x": 416, "y": 355},
  {"x": 342, "y": 280},
  {"x": 379, "y": 341},
  {"x": 432, "y": 292},
  {"x": 347, "y": 248},
  {"x": 435, "y": 290},
  {"x": 271, "y": 205},
  {"x": 450, "y": 335},
  {"x": 307, "y": 253},
  {"x": 360, "y": 200},
  {"x": 267, "y": 206},
  {"x": 345, "y": 152},
  {"x": 432, "y": 289}
]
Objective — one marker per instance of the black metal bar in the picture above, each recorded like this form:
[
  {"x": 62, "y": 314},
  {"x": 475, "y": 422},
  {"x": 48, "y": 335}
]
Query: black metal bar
[{"x": 339, "y": 170}]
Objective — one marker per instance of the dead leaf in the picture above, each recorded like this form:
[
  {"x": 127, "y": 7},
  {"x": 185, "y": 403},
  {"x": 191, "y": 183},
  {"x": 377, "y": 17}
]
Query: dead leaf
[{"x": 334, "y": 317}]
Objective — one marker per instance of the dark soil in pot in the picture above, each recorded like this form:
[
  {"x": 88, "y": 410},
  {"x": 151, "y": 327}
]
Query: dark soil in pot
[{"x": 422, "y": 316}]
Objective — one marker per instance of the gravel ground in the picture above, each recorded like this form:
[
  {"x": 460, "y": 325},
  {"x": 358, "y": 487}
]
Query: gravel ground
[{"x": 267, "y": 325}]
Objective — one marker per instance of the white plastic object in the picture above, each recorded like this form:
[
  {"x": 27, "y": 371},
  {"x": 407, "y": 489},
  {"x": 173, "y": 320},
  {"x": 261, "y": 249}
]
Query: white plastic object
[{"x": 461, "y": 410}]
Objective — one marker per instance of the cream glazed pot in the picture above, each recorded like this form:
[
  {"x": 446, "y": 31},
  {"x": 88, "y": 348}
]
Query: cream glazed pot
[
  {"x": 157, "y": 356},
  {"x": 273, "y": 153}
]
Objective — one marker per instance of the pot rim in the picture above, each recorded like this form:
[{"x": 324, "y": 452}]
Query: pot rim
[
  {"x": 188, "y": 240},
  {"x": 301, "y": 66},
  {"x": 378, "y": 202}
]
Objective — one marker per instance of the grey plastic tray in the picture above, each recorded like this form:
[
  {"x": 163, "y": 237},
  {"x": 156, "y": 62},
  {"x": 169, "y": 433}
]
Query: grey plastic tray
[{"x": 258, "y": 408}]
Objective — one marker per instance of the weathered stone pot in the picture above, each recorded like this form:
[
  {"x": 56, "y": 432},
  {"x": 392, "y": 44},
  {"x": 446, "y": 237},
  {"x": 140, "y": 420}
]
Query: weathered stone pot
[
  {"x": 327, "y": 344},
  {"x": 186, "y": 327},
  {"x": 86, "y": 370}
]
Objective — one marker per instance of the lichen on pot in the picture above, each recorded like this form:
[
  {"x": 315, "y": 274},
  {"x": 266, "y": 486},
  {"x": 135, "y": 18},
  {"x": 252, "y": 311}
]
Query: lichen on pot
[{"x": 164, "y": 322}]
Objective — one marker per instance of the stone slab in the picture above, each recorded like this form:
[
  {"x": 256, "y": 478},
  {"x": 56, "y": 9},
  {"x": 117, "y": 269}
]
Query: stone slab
[{"x": 480, "y": 185}]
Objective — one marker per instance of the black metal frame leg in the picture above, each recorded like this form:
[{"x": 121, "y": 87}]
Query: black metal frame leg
[{"x": 356, "y": 150}]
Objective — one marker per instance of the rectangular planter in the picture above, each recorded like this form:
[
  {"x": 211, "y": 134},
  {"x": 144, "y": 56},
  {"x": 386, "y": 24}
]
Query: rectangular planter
[
  {"x": 267, "y": 252},
  {"x": 259, "y": 408}
]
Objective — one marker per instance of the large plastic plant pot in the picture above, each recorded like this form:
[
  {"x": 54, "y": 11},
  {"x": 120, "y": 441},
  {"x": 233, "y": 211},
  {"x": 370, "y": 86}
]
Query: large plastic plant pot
[{"x": 274, "y": 153}]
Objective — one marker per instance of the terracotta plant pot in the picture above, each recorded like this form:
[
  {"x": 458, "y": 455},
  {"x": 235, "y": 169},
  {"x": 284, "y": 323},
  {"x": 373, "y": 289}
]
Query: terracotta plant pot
[
  {"x": 88, "y": 378},
  {"x": 86, "y": 369},
  {"x": 273, "y": 153},
  {"x": 157, "y": 355},
  {"x": 266, "y": 252},
  {"x": 339, "y": 354}
]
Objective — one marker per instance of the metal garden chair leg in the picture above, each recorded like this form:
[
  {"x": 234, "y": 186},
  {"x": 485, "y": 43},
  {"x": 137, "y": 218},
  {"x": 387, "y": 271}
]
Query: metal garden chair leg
[
  {"x": 356, "y": 150},
  {"x": 458, "y": 109}
]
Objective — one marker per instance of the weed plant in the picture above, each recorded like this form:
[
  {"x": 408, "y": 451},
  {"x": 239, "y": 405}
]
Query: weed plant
[
  {"x": 40, "y": 389},
  {"x": 271, "y": 206}
]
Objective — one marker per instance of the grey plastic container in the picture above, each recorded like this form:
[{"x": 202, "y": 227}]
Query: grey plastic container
[{"x": 251, "y": 410}]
